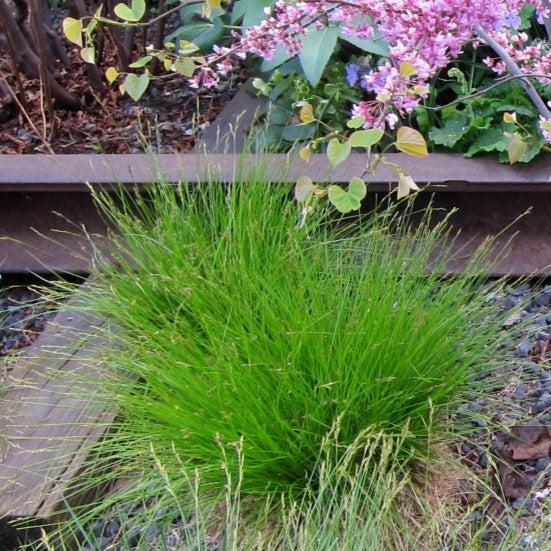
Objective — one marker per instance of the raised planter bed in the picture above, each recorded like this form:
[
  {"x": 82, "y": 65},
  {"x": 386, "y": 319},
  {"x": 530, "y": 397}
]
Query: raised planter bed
[{"x": 489, "y": 195}]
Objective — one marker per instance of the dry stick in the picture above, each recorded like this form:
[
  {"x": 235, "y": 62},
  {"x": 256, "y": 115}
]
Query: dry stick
[
  {"x": 515, "y": 70},
  {"x": 26, "y": 115},
  {"x": 39, "y": 38},
  {"x": 27, "y": 59}
]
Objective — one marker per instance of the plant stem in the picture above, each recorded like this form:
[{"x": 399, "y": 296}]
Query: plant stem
[
  {"x": 487, "y": 89},
  {"x": 515, "y": 70}
]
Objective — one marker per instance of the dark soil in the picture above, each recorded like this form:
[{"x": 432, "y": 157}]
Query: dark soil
[{"x": 167, "y": 119}]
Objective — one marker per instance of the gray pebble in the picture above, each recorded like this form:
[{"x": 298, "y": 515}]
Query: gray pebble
[
  {"x": 542, "y": 463},
  {"x": 520, "y": 392},
  {"x": 543, "y": 299},
  {"x": 523, "y": 349},
  {"x": 519, "y": 503}
]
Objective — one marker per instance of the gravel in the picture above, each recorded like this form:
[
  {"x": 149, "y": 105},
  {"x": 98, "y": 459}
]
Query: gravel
[{"x": 22, "y": 315}]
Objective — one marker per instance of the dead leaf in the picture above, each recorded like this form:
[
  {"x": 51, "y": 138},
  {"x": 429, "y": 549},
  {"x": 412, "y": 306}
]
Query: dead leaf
[{"x": 530, "y": 442}]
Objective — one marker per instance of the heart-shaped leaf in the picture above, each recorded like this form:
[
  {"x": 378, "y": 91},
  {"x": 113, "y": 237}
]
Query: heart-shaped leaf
[
  {"x": 135, "y": 86},
  {"x": 72, "y": 29},
  {"x": 184, "y": 66},
  {"x": 406, "y": 184},
  {"x": 342, "y": 200},
  {"x": 516, "y": 147},
  {"x": 305, "y": 153},
  {"x": 366, "y": 138},
  {"x": 88, "y": 55},
  {"x": 407, "y": 69},
  {"x": 111, "y": 74},
  {"x": 337, "y": 152},
  {"x": 304, "y": 189},
  {"x": 356, "y": 122},
  {"x": 142, "y": 62},
  {"x": 307, "y": 114},
  {"x": 357, "y": 188},
  {"x": 134, "y": 12},
  {"x": 410, "y": 141}
]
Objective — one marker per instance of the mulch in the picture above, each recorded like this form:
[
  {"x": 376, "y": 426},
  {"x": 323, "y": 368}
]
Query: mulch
[{"x": 166, "y": 120}]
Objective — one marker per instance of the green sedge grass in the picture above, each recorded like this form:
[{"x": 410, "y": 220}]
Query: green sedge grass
[{"x": 232, "y": 333}]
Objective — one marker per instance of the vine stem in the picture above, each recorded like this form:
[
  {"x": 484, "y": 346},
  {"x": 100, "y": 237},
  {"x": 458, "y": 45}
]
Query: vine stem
[
  {"x": 516, "y": 71},
  {"x": 480, "y": 93}
]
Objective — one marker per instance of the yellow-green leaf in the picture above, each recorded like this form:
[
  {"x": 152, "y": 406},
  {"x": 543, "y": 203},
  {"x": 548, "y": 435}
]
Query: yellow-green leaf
[
  {"x": 356, "y": 122},
  {"x": 343, "y": 200},
  {"x": 304, "y": 189},
  {"x": 366, "y": 138},
  {"x": 406, "y": 184},
  {"x": 142, "y": 62},
  {"x": 88, "y": 54},
  {"x": 305, "y": 153},
  {"x": 516, "y": 147},
  {"x": 135, "y": 85},
  {"x": 357, "y": 188},
  {"x": 111, "y": 74},
  {"x": 410, "y": 141},
  {"x": 187, "y": 47},
  {"x": 307, "y": 114},
  {"x": 510, "y": 118},
  {"x": 407, "y": 69},
  {"x": 134, "y": 12},
  {"x": 184, "y": 66},
  {"x": 72, "y": 29},
  {"x": 337, "y": 152}
]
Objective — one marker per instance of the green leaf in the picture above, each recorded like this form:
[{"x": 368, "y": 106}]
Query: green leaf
[
  {"x": 141, "y": 62},
  {"x": 342, "y": 200},
  {"x": 317, "y": 48},
  {"x": 516, "y": 147},
  {"x": 88, "y": 55},
  {"x": 111, "y": 74},
  {"x": 451, "y": 132},
  {"x": 134, "y": 12},
  {"x": 422, "y": 119},
  {"x": 251, "y": 11},
  {"x": 204, "y": 34},
  {"x": 135, "y": 85},
  {"x": 356, "y": 122},
  {"x": 376, "y": 45},
  {"x": 280, "y": 57},
  {"x": 491, "y": 139},
  {"x": 184, "y": 66},
  {"x": 304, "y": 189},
  {"x": 357, "y": 188},
  {"x": 338, "y": 152},
  {"x": 297, "y": 133},
  {"x": 72, "y": 29},
  {"x": 366, "y": 138}
]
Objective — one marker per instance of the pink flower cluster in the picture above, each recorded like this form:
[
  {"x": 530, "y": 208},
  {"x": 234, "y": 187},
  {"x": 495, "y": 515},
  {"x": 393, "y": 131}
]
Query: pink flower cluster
[
  {"x": 424, "y": 34},
  {"x": 532, "y": 57},
  {"x": 545, "y": 127}
]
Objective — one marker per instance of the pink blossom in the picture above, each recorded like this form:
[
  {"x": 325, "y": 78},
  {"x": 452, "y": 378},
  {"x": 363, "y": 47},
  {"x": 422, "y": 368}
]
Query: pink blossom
[{"x": 545, "y": 127}]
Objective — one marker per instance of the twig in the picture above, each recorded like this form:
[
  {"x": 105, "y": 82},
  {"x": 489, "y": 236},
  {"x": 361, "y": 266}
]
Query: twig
[
  {"x": 26, "y": 115},
  {"x": 475, "y": 95},
  {"x": 515, "y": 70},
  {"x": 146, "y": 23}
]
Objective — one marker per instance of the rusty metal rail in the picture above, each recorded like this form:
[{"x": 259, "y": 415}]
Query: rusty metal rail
[{"x": 46, "y": 202}]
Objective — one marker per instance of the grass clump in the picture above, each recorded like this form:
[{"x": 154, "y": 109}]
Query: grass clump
[{"x": 235, "y": 335}]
